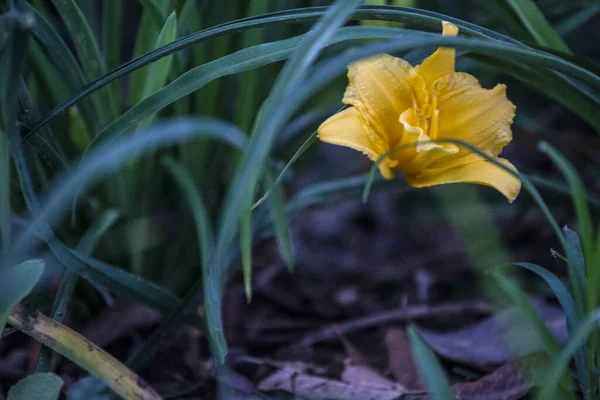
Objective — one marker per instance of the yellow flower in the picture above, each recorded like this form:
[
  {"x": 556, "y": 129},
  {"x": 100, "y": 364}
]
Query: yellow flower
[{"x": 394, "y": 104}]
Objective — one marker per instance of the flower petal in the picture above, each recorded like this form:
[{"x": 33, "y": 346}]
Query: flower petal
[
  {"x": 345, "y": 129},
  {"x": 381, "y": 88},
  {"x": 441, "y": 62},
  {"x": 469, "y": 112},
  {"x": 480, "y": 172}
]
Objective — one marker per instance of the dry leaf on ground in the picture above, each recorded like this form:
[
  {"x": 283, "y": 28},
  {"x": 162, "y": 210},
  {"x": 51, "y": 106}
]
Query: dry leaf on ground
[
  {"x": 357, "y": 383},
  {"x": 506, "y": 383},
  {"x": 489, "y": 343}
]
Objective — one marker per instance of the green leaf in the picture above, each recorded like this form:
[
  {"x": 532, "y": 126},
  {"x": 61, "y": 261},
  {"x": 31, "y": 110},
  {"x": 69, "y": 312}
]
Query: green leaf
[
  {"x": 305, "y": 146},
  {"x": 578, "y": 19},
  {"x": 15, "y": 283},
  {"x": 192, "y": 195},
  {"x": 239, "y": 61},
  {"x": 109, "y": 158},
  {"x": 40, "y": 386},
  {"x": 531, "y": 316},
  {"x": 572, "y": 315},
  {"x": 418, "y": 18},
  {"x": 158, "y": 72},
  {"x": 111, "y": 40},
  {"x": 154, "y": 11},
  {"x": 550, "y": 390},
  {"x": 537, "y": 24},
  {"x": 126, "y": 284},
  {"x": 575, "y": 252},
  {"x": 579, "y": 201},
  {"x": 5, "y": 227},
  {"x": 429, "y": 367},
  {"x": 86, "y": 246},
  {"x": 273, "y": 117},
  {"x": 87, "y": 49},
  {"x": 247, "y": 102},
  {"x": 501, "y": 12},
  {"x": 279, "y": 218},
  {"x": 153, "y": 18},
  {"x": 65, "y": 63}
]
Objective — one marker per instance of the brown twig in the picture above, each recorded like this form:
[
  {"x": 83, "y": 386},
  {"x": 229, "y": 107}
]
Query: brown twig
[{"x": 392, "y": 316}]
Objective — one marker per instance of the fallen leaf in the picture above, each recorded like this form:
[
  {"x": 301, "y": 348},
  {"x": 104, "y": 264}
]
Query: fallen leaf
[
  {"x": 358, "y": 383},
  {"x": 365, "y": 376},
  {"x": 506, "y": 383},
  {"x": 489, "y": 343},
  {"x": 400, "y": 360}
]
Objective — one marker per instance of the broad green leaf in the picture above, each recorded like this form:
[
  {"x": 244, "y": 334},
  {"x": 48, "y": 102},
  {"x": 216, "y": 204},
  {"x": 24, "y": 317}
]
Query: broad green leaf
[
  {"x": 40, "y": 386},
  {"x": 537, "y": 24},
  {"x": 15, "y": 283},
  {"x": 429, "y": 367}
]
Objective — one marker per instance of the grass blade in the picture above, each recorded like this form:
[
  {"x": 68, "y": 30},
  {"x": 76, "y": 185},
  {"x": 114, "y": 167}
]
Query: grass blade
[
  {"x": 426, "y": 19},
  {"x": 84, "y": 353},
  {"x": 184, "y": 180},
  {"x": 61, "y": 57},
  {"x": 206, "y": 247},
  {"x": 550, "y": 390},
  {"x": 5, "y": 228},
  {"x": 158, "y": 72},
  {"x": 86, "y": 246},
  {"x": 537, "y": 24},
  {"x": 237, "y": 62},
  {"x": 572, "y": 315},
  {"x": 153, "y": 18},
  {"x": 429, "y": 367},
  {"x": 247, "y": 101},
  {"x": 531, "y": 316},
  {"x": 279, "y": 219},
  {"x": 87, "y": 49},
  {"x": 237, "y": 201},
  {"x": 579, "y": 201},
  {"x": 111, "y": 41}
]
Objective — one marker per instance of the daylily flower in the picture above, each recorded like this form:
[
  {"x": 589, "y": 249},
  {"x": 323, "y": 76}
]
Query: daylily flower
[{"x": 394, "y": 104}]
